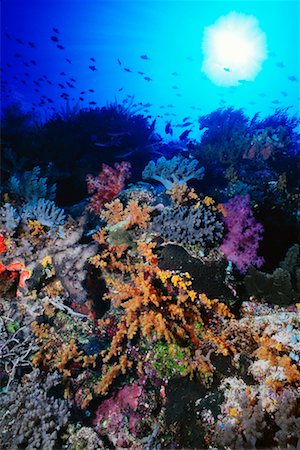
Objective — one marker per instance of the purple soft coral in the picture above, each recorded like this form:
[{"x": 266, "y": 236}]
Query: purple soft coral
[{"x": 244, "y": 234}]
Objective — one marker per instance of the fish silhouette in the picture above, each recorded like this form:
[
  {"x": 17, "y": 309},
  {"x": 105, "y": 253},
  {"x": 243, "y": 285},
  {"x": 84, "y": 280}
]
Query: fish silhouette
[
  {"x": 184, "y": 135},
  {"x": 145, "y": 57},
  {"x": 168, "y": 129}
]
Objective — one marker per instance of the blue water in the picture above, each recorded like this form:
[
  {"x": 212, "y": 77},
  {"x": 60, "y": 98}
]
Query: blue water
[{"x": 117, "y": 33}]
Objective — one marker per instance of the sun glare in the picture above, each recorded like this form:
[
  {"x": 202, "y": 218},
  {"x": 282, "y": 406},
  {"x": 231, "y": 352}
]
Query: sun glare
[{"x": 234, "y": 49}]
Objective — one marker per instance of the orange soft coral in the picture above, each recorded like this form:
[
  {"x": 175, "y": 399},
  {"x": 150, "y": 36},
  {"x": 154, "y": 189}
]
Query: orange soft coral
[
  {"x": 129, "y": 217},
  {"x": 153, "y": 303}
]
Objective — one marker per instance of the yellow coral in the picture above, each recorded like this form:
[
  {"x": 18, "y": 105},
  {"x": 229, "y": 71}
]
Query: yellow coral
[
  {"x": 35, "y": 227},
  {"x": 47, "y": 261},
  {"x": 89, "y": 360},
  {"x": 208, "y": 201}
]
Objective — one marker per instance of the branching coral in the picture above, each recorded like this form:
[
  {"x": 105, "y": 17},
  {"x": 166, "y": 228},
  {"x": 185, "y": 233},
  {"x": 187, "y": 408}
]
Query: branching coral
[
  {"x": 59, "y": 347},
  {"x": 9, "y": 219},
  {"x": 16, "y": 348},
  {"x": 176, "y": 170},
  {"x": 182, "y": 194},
  {"x": 29, "y": 418}
]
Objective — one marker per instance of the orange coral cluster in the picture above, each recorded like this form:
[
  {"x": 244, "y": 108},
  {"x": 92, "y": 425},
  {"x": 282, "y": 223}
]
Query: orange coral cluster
[
  {"x": 181, "y": 194},
  {"x": 55, "y": 353},
  {"x": 274, "y": 352},
  {"x": 132, "y": 215},
  {"x": 153, "y": 302}
]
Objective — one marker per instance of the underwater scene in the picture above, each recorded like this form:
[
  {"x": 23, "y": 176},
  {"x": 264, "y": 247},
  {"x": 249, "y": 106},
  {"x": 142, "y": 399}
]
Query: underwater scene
[{"x": 149, "y": 225}]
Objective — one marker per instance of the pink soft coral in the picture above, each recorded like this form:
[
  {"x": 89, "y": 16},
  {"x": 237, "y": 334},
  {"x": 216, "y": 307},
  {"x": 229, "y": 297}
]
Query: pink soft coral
[
  {"x": 107, "y": 184},
  {"x": 119, "y": 412},
  {"x": 244, "y": 234}
]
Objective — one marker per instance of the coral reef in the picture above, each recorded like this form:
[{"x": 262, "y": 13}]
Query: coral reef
[
  {"x": 136, "y": 318},
  {"x": 30, "y": 417}
]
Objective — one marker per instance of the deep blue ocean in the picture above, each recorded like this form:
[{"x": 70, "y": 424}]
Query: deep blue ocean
[{"x": 149, "y": 54}]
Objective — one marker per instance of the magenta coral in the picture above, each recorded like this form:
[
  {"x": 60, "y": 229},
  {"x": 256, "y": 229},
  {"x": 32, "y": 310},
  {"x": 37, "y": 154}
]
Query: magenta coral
[
  {"x": 119, "y": 412},
  {"x": 244, "y": 234},
  {"x": 107, "y": 185}
]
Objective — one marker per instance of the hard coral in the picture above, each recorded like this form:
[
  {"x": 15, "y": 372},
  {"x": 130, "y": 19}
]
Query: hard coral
[{"x": 29, "y": 417}]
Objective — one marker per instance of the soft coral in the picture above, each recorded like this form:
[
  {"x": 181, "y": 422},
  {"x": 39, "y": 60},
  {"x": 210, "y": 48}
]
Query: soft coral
[
  {"x": 244, "y": 234},
  {"x": 107, "y": 184}
]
